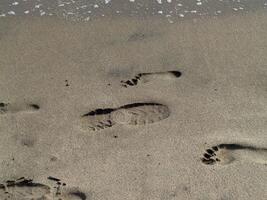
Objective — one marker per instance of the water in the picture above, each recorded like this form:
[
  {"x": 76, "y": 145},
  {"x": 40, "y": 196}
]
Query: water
[{"x": 85, "y": 10}]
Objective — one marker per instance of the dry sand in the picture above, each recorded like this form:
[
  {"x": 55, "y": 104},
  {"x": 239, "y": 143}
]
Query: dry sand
[{"x": 71, "y": 68}]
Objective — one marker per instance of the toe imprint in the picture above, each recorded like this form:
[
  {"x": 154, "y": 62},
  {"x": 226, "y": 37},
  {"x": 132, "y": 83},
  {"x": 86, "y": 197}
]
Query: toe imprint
[
  {"x": 227, "y": 153},
  {"x": 97, "y": 119},
  {"x": 3, "y": 108},
  {"x": 216, "y": 155}
]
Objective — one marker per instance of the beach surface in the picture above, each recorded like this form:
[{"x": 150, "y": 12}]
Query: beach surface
[{"x": 198, "y": 135}]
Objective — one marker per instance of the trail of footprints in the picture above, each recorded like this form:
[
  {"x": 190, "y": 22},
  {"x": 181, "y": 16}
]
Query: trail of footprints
[
  {"x": 221, "y": 154},
  {"x": 26, "y": 189},
  {"x": 224, "y": 154},
  {"x": 130, "y": 114},
  {"x": 134, "y": 114},
  {"x": 147, "y": 77},
  {"x": 140, "y": 113}
]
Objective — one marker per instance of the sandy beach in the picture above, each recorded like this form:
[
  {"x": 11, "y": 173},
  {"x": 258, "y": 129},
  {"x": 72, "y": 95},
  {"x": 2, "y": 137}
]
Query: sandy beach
[{"x": 101, "y": 108}]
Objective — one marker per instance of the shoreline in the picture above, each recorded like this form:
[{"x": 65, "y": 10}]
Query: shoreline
[{"x": 86, "y": 10}]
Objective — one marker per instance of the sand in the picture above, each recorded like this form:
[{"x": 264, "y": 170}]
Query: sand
[{"x": 69, "y": 69}]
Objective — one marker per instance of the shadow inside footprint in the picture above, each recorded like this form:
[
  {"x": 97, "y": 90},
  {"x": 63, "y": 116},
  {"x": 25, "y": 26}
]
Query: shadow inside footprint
[
  {"x": 34, "y": 106},
  {"x": 99, "y": 112}
]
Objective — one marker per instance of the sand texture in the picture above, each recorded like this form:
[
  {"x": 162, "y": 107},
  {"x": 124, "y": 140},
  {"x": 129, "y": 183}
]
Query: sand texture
[{"x": 134, "y": 109}]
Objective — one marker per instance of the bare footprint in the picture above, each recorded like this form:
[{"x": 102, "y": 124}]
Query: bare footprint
[
  {"x": 72, "y": 195},
  {"x": 23, "y": 189},
  {"x": 147, "y": 77},
  {"x": 62, "y": 193},
  {"x": 8, "y": 108},
  {"x": 226, "y": 153},
  {"x": 130, "y": 114}
]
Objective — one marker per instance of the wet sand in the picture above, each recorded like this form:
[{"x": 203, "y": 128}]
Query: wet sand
[{"x": 71, "y": 68}]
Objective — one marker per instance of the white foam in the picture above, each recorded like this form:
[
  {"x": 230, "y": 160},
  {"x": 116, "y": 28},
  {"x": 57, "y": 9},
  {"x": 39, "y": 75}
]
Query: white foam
[
  {"x": 38, "y": 5},
  {"x": 11, "y": 12},
  {"x": 107, "y": 1},
  {"x": 42, "y": 13}
]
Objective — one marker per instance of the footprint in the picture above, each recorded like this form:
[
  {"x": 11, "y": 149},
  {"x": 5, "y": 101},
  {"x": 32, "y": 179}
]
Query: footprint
[
  {"x": 72, "y": 195},
  {"x": 6, "y": 108},
  {"x": 130, "y": 114},
  {"x": 138, "y": 36},
  {"x": 147, "y": 77},
  {"x": 23, "y": 189},
  {"x": 226, "y": 153},
  {"x": 61, "y": 193}
]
